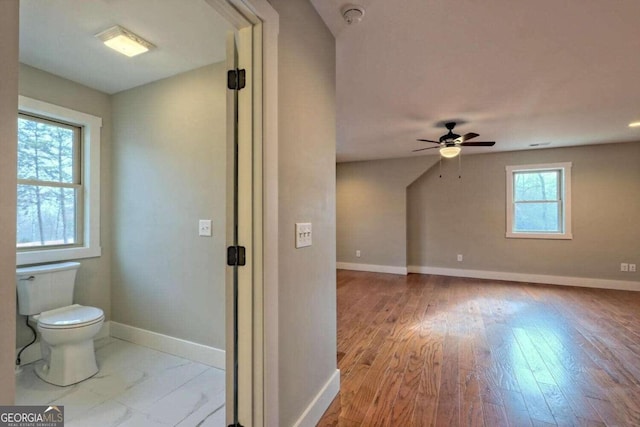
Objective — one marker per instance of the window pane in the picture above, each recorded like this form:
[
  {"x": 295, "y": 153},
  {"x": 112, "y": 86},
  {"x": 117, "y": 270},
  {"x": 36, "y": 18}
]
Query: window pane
[
  {"x": 45, "y": 151},
  {"x": 46, "y": 216},
  {"x": 540, "y": 185},
  {"x": 537, "y": 217}
]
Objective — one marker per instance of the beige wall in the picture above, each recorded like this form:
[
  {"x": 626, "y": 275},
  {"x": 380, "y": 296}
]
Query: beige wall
[
  {"x": 371, "y": 218},
  {"x": 169, "y": 171},
  {"x": 467, "y": 216},
  {"x": 8, "y": 123},
  {"x": 307, "y": 284},
  {"x": 449, "y": 216},
  {"x": 93, "y": 283}
]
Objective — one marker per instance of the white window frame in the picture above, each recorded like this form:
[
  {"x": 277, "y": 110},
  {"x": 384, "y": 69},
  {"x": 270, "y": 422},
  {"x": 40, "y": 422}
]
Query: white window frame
[
  {"x": 90, "y": 149},
  {"x": 565, "y": 197}
]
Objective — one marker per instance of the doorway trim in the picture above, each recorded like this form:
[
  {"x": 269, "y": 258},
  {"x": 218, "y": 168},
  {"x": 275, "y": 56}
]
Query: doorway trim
[{"x": 262, "y": 310}]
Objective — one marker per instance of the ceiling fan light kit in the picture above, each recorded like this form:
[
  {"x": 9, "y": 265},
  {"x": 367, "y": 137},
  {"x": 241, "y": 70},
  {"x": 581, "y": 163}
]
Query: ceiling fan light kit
[{"x": 450, "y": 152}]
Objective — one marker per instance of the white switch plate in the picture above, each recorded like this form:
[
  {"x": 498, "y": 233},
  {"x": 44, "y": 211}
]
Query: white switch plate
[
  {"x": 459, "y": 258},
  {"x": 303, "y": 234},
  {"x": 204, "y": 227},
  {"x": 624, "y": 266},
  {"x": 632, "y": 268}
]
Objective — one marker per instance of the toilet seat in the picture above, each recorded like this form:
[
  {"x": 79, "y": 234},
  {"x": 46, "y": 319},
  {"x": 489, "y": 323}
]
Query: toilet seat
[{"x": 73, "y": 316}]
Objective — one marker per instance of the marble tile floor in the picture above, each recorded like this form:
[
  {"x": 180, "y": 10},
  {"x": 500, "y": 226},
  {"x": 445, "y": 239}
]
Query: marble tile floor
[{"x": 136, "y": 387}]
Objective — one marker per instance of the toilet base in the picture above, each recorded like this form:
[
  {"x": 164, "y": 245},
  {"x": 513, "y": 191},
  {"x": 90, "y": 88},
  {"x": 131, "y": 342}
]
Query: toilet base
[{"x": 68, "y": 364}]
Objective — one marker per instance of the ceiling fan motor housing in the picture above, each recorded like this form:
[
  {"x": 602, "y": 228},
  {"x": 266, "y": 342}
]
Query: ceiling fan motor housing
[{"x": 450, "y": 137}]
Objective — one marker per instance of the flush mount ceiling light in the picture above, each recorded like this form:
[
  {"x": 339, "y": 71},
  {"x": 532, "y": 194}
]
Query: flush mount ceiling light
[
  {"x": 634, "y": 125},
  {"x": 124, "y": 41},
  {"x": 450, "y": 151}
]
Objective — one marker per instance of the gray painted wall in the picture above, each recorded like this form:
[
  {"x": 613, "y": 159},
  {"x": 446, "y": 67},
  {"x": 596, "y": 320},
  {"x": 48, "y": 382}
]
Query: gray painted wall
[
  {"x": 372, "y": 216},
  {"x": 467, "y": 216},
  {"x": 449, "y": 216},
  {"x": 307, "y": 283},
  {"x": 93, "y": 282},
  {"x": 8, "y": 161},
  {"x": 169, "y": 171}
]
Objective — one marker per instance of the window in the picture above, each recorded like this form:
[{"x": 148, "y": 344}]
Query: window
[
  {"x": 58, "y": 183},
  {"x": 539, "y": 201},
  {"x": 49, "y": 183}
]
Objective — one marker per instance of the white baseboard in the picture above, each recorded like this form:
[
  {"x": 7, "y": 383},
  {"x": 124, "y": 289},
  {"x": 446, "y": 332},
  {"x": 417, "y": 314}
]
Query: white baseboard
[
  {"x": 584, "y": 282},
  {"x": 189, "y": 350},
  {"x": 320, "y": 403},
  {"x": 34, "y": 353},
  {"x": 178, "y": 347},
  {"x": 372, "y": 268}
]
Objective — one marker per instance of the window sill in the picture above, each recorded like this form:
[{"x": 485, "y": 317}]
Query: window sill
[
  {"x": 55, "y": 255},
  {"x": 552, "y": 236}
]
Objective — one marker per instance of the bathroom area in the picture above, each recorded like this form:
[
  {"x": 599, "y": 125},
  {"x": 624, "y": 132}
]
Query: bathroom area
[{"x": 134, "y": 326}]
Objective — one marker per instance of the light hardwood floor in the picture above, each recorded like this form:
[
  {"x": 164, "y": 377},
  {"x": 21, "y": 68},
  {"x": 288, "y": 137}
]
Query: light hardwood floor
[{"x": 428, "y": 350}]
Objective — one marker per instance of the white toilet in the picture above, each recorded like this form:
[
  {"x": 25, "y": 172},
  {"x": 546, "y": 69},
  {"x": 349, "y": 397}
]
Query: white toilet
[{"x": 45, "y": 294}]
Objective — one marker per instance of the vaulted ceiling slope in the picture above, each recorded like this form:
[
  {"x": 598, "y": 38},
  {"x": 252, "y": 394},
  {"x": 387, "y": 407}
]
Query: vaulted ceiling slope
[{"x": 551, "y": 72}]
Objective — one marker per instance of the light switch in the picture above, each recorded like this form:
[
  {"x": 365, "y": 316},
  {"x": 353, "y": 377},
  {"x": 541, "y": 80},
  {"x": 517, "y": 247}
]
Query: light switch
[
  {"x": 303, "y": 234},
  {"x": 204, "y": 227}
]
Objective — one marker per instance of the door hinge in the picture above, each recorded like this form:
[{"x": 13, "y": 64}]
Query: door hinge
[
  {"x": 236, "y": 255},
  {"x": 236, "y": 79}
]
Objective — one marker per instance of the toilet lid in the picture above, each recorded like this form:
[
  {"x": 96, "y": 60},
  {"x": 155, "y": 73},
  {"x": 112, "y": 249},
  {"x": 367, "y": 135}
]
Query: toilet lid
[{"x": 72, "y": 316}]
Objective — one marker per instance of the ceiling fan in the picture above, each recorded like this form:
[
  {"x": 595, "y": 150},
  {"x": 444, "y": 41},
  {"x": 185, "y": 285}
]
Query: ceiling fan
[{"x": 450, "y": 143}]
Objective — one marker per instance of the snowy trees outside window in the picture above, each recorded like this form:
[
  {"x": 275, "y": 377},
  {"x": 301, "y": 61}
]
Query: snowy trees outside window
[{"x": 49, "y": 183}]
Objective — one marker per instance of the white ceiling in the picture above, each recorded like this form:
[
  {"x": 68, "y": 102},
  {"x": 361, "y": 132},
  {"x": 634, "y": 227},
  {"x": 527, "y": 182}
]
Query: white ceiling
[
  {"x": 517, "y": 72},
  {"x": 58, "y": 36}
]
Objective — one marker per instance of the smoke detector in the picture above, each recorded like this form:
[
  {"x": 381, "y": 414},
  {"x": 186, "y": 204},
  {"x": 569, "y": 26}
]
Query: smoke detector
[{"x": 352, "y": 13}]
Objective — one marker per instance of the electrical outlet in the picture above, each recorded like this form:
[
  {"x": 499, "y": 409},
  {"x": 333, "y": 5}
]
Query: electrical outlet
[
  {"x": 632, "y": 268},
  {"x": 303, "y": 234},
  {"x": 358, "y": 253},
  {"x": 459, "y": 257},
  {"x": 204, "y": 228},
  {"x": 624, "y": 266}
]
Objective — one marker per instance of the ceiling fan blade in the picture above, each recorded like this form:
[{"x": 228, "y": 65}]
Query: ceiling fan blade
[
  {"x": 426, "y": 148},
  {"x": 468, "y": 136},
  {"x": 479, "y": 144},
  {"x": 428, "y": 140}
]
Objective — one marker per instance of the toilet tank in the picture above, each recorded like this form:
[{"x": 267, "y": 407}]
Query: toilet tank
[{"x": 45, "y": 287}]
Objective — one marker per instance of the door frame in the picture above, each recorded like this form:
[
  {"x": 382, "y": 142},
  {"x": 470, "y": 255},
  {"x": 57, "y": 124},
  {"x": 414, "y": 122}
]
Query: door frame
[{"x": 257, "y": 23}]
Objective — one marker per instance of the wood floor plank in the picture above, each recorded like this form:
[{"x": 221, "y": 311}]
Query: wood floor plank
[
  {"x": 515, "y": 408},
  {"x": 590, "y": 423},
  {"x": 447, "y": 412},
  {"x": 535, "y": 361},
  {"x": 471, "y": 413},
  {"x": 559, "y": 405},
  {"x": 418, "y": 353},
  {"x": 359, "y": 406},
  {"x": 494, "y": 415},
  {"x": 428, "y": 392},
  {"x": 350, "y": 384},
  {"x": 608, "y": 412},
  {"x": 425, "y": 350},
  {"x": 380, "y": 411}
]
